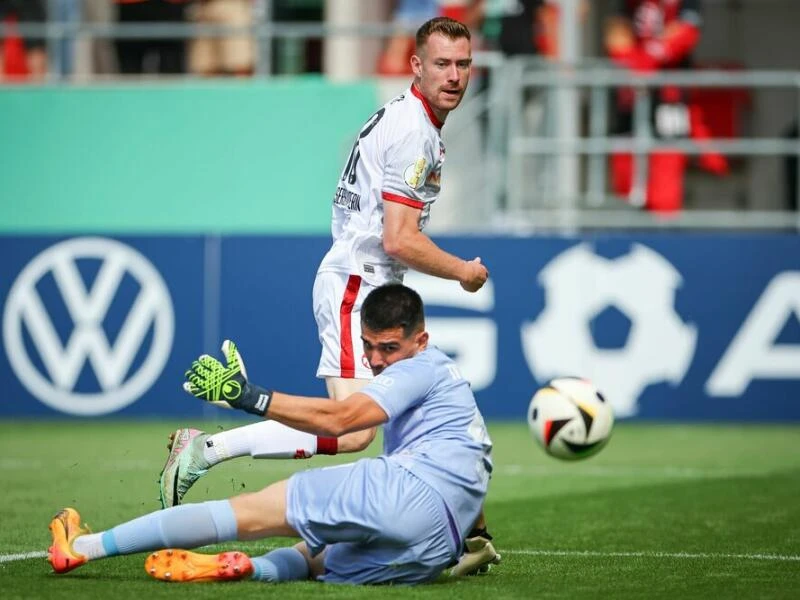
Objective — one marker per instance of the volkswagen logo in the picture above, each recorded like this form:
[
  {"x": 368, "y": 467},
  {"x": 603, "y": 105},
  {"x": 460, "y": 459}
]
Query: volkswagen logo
[{"x": 88, "y": 343}]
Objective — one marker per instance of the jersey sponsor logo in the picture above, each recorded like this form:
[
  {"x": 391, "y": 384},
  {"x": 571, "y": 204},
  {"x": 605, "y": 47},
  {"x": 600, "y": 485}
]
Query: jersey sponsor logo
[
  {"x": 414, "y": 173},
  {"x": 346, "y": 199},
  {"x": 579, "y": 286},
  {"x": 52, "y": 370}
]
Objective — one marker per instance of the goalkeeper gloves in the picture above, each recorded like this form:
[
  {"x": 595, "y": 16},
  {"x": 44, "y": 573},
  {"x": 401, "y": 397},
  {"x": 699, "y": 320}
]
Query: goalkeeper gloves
[{"x": 226, "y": 385}]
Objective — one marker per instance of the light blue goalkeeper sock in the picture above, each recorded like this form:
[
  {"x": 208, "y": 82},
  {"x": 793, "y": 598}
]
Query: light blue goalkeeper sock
[
  {"x": 186, "y": 526},
  {"x": 283, "y": 564}
]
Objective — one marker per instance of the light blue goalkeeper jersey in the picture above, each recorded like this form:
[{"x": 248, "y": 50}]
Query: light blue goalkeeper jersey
[{"x": 435, "y": 430}]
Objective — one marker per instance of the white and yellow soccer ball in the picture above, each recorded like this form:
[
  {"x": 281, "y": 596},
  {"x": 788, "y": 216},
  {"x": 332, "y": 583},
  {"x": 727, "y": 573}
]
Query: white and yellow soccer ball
[{"x": 570, "y": 418}]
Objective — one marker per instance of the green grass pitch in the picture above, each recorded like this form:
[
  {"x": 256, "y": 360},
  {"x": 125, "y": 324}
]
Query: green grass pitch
[{"x": 664, "y": 511}]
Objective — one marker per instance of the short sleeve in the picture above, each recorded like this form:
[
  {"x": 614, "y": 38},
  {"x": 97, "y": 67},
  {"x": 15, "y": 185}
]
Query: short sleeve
[
  {"x": 401, "y": 386},
  {"x": 408, "y": 163}
]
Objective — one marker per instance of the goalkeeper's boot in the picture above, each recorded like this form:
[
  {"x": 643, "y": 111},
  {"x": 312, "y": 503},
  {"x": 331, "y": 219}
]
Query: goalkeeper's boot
[
  {"x": 478, "y": 558},
  {"x": 64, "y": 528},
  {"x": 182, "y": 565},
  {"x": 184, "y": 466}
]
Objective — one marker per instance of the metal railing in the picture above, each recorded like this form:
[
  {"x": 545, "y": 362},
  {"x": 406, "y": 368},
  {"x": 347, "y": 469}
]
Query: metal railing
[{"x": 555, "y": 206}]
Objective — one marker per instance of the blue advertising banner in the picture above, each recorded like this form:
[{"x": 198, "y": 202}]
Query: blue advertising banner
[{"x": 668, "y": 326}]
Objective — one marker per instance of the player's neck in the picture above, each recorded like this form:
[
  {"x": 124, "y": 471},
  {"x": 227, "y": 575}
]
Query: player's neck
[{"x": 437, "y": 115}]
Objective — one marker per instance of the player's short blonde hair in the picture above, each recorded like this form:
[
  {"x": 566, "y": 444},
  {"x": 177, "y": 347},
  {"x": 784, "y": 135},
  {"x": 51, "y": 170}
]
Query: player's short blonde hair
[{"x": 446, "y": 26}]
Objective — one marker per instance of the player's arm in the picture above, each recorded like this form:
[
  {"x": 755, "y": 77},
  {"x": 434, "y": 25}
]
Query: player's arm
[
  {"x": 320, "y": 416},
  {"x": 403, "y": 241},
  {"x": 228, "y": 385}
]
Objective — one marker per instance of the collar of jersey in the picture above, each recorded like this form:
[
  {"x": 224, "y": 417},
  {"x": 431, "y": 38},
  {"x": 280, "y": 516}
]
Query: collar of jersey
[{"x": 431, "y": 115}]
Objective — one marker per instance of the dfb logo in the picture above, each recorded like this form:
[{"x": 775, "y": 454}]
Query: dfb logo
[
  {"x": 578, "y": 286},
  {"x": 27, "y": 311}
]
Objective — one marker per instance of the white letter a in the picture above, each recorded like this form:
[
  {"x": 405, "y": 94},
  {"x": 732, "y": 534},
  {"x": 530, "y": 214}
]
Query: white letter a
[{"x": 752, "y": 353}]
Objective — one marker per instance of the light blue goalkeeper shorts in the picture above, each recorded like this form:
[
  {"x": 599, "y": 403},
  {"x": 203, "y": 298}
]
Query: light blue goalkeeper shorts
[{"x": 377, "y": 522}]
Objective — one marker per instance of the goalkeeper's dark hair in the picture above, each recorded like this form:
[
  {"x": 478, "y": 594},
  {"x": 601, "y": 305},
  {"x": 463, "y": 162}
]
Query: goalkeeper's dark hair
[{"x": 393, "y": 305}]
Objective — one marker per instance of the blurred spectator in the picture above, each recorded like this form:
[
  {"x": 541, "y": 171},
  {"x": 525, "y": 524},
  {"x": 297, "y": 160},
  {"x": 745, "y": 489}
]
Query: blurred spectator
[
  {"x": 524, "y": 27},
  {"x": 510, "y": 26},
  {"x": 64, "y": 12},
  {"x": 22, "y": 59},
  {"x": 645, "y": 36},
  {"x": 134, "y": 55},
  {"x": 231, "y": 55},
  {"x": 102, "y": 57},
  {"x": 407, "y": 16}
]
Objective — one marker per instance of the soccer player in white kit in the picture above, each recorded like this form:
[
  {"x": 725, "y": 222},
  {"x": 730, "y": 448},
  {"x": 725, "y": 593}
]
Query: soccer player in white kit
[
  {"x": 381, "y": 205},
  {"x": 398, "y": 518}
]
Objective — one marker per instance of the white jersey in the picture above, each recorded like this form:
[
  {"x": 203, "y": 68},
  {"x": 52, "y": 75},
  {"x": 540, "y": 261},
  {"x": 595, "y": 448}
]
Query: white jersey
[{"x": 397, "y": 157}]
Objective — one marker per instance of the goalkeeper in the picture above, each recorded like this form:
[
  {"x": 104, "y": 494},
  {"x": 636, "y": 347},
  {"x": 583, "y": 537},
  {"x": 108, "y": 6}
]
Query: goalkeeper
[{"x": 398, "y": 518}]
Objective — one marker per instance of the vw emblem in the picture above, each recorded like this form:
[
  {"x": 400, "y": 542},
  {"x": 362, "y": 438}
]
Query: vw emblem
[{"x": 87, "y": 307}]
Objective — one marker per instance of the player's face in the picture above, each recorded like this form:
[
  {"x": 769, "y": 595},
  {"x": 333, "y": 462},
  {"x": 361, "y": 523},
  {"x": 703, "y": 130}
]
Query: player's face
[
  {"x": 384, "y": 348},
  {"x": 441, "y": 71}
]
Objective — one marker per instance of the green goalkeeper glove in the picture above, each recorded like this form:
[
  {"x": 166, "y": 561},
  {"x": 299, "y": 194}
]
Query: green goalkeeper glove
[{"x": 226, "y": 385}]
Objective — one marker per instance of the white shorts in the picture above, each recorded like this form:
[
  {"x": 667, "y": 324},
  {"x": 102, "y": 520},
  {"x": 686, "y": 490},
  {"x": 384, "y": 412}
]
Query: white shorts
[{"x": 337, "y": 310}]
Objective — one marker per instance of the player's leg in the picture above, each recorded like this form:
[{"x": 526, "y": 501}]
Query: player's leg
[
  {"x": 262, "y": 514},
  {"x": 247, "y": 516}
]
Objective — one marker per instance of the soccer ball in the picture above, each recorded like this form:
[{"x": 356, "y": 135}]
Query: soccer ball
[{"x": 570, "y": 418}]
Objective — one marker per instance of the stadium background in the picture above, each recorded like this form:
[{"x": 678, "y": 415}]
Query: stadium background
[
  {"x": 144, "y": 220},
  {"x": 223, "y": 188}
]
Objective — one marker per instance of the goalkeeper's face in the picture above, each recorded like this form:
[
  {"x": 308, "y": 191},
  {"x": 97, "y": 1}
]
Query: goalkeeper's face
[{"x": 384, "y": 348}]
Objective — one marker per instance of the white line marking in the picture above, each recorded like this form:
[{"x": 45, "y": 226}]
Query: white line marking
[
  {"x": 588, "y": 553},
  {"x": 654, "y": 554},
  {"x": 22, "y": 556},
  {"x": 611, "y": 471}
]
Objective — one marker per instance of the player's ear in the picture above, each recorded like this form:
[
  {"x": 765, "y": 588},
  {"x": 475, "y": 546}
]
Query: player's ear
[
  {"x": 422, "y": 339},
  {"x": 416, "y": 65}
]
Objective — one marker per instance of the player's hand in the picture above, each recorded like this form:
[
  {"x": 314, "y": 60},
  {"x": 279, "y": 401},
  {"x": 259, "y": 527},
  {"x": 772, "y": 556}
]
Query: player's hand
[
  {"x": 210, "y": 380},
  {"x": 475, "y": 275},
  {"x": 226, "y": 385}
]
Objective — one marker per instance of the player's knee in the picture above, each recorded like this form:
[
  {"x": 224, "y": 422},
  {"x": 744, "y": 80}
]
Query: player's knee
[{"x": 262, "y": 513}]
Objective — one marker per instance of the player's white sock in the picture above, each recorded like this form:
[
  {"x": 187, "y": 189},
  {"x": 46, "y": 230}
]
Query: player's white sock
[
  {"x": 90, "y": 545},
  {"x": 265, "y": 439}
]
